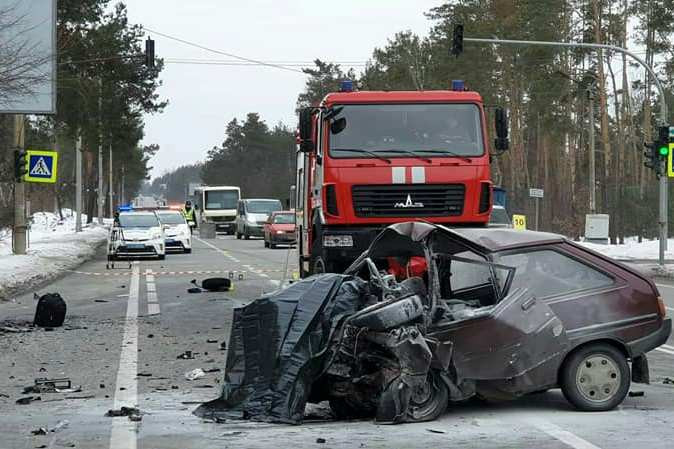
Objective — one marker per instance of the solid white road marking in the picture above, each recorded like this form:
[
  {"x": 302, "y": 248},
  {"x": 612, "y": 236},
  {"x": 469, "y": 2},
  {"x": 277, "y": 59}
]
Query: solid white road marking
[
  {"x": 152, "y": 298},
  {"x": 668, "y": 347},
  {"x": 123, "y": 432},
  {"x": 562, "y": 435}
]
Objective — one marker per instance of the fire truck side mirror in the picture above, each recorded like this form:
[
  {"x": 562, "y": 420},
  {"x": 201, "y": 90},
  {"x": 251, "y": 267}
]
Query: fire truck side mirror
[
  {"x": 306, "y": 144},
  {"x": 501, "y": 124}
]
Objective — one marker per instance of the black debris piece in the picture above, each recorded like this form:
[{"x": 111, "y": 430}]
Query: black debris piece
[
  {"x": 194, "y": 290},
  {"x": 223, "y": 345},
  {"x": 216, "y": 284},
  {"x": 211, "y": 341},
  {"x": 668, "y": 381},
  {"x": 212, "y": 370},
  {"x": 150, "y": 335},
  {"x": 435, "y": 431},
  {"x": 50, "y": 311},
  {"x": 40, "y": 431},
  {"x": 131, "y": 412},
  {"x": 144, "y": 374},
  {"x": 28, "y": 399},
  {"x": 634, "y": 394},
  {"x": 320, "y": 440},
  {"x": 187, "y": 355}
]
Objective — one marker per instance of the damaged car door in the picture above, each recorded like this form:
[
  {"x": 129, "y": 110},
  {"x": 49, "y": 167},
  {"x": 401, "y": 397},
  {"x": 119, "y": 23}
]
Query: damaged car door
[{"x": 512, "y": 345}]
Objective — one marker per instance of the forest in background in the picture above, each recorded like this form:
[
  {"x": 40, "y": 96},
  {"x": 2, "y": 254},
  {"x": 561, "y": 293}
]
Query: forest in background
[
  {"x": 546, "y": 91},
  {"x": 98, "y": 60}
]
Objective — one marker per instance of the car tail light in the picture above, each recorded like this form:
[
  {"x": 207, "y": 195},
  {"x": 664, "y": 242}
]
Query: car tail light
[
  {"x": 331, "y": 200},
  {"x": 485, "y": 198},
  {"x": 662, "y": 310}
]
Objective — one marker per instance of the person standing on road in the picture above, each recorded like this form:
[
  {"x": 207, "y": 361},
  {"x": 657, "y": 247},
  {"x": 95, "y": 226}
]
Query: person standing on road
[{"x": 188, "y": 213}]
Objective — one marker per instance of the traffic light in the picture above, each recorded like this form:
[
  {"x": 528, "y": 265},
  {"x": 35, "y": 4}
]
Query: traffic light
[
  {"x": 457, "y": 41},
  {"x": 663, "y": 141},
  {"x": 149, "y": 53},
  {"x": 20, "y": 165}
]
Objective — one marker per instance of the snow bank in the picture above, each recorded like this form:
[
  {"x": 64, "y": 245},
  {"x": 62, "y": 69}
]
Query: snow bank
[
  {"x": 54, "y": 247},
  {"x": 633, "y": 250}
]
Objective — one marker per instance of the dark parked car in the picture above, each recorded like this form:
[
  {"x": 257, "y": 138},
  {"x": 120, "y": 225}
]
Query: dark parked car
[{"x": 429, "y": 315}]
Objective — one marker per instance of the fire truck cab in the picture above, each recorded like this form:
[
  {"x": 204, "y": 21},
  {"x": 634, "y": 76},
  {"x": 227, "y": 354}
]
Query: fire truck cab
[{"x": 369, "y": 159}]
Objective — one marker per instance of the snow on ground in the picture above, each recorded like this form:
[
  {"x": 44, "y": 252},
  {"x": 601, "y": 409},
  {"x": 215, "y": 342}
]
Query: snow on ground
[
  {"x": 633, "y": 250},
  {"x": 54, "y": 247}
]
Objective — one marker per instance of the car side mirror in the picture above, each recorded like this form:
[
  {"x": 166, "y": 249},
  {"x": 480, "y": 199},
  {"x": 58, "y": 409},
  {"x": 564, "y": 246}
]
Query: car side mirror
[
  {"x": 501, "y": 142},
  {"x": 306, "y": 143}
]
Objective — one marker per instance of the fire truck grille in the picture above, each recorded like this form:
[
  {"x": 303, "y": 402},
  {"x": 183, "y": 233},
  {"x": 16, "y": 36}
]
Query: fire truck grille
[{"x": 408, "y": 200}]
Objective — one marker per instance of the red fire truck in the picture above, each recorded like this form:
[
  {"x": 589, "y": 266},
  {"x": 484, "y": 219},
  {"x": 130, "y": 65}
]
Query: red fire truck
[{"x": 369, "y": 159}]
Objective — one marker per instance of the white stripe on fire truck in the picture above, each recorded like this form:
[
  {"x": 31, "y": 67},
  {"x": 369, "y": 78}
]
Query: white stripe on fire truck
[
  {"x": 398, "y": 175},
  {"x": 418, "y": 175}
]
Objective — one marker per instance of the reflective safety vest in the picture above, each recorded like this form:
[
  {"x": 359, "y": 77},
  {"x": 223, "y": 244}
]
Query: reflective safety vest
[{"x": 189, "y": 214}]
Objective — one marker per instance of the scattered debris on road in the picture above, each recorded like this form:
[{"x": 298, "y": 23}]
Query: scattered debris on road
[
  {"x": 320, "y": 440},
  {"x": 668, "y": 381},
  {"x": 635, "y": 394},
  {"x": 195, "y": 374},
  {"x": 27, "y": 400},
  {"x": 59, "y": 385},
  {"x": 211, "y": 285},
  {"x": 50, "y": 311},
  {"x": 435, "y": 431},
  {"x": 187, "y": 355},
  {"x": 131, "y": 412},
  {"x": 40, "y": 431}
]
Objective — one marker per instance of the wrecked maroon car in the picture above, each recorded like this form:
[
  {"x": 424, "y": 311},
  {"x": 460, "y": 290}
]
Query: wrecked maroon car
[{"x": 428, "y": 316}]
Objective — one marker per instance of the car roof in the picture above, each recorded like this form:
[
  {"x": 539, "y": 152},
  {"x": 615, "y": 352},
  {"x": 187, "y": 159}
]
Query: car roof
[{"x": 499, "y": 239}]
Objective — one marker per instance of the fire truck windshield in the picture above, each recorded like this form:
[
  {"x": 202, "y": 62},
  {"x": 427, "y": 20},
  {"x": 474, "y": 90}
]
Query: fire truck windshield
[{"x": 396, "y": 130}]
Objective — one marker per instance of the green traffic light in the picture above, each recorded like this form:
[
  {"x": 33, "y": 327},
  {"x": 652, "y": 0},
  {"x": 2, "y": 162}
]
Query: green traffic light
[{"x": 663, "y": 150}]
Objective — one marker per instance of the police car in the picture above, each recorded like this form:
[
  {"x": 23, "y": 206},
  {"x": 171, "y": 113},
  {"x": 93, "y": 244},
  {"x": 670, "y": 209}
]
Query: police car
[
  {"x": 176, "y": 230},
  {"x": 136, "y": 234}
]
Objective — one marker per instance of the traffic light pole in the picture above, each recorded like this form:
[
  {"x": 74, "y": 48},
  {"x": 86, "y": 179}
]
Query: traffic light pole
[
  {"x": 19, "y": 231},
  {"x": 662, "y": 222}
]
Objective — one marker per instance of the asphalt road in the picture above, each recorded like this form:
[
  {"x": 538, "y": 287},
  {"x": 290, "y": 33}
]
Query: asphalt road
[{"x": 126, "y": 328}]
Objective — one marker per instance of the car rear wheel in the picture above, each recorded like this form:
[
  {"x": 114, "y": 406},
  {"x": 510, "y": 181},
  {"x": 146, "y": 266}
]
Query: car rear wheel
[
  {"x": 238, "y": 236},
  {"x": 246, "y": 235},
  {"x": 188, "y": 250},
  {"x": 161, "y": 257},
  {"x": 595, "y": 377}
]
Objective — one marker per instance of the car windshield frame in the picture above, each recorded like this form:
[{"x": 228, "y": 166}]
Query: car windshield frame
[
  {"x": 225, "y": 206},
  {"x": 350, "y": 150},
  {"x": 271, "y": 203},
  {"x": 180, "y": 218},
  {"x": 141, "y": 223},
  {"x": 292, "y": 216}
]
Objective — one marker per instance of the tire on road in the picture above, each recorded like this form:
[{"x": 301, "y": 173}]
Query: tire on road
[
  {"x": 429, "y": 402},
  {"x": 161, "y": 257},
  {"x": 595, "y": 377}
]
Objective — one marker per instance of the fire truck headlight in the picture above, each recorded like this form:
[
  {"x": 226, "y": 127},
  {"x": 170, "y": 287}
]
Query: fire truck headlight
[{"x": 333, "y": 241}]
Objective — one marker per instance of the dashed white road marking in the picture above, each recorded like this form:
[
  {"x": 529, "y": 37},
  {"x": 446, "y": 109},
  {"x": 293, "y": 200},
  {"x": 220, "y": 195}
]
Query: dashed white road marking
[
  {"x": 562, "y": 435},
  {"x": 246, "y": 266},
  {"x": 152, "y": 298},
  {"x": 123, "y": 432}
]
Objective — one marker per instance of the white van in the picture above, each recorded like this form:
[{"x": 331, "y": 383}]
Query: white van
[{"x": 252, "y": 214}]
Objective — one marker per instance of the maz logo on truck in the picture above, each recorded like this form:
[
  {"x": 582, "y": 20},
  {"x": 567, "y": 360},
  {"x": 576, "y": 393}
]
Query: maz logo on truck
[{"x": 409, "y": 203}]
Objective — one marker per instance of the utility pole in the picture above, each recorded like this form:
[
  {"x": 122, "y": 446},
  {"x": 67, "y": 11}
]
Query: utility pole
[
  {"x": 593, "y": 182},
  {"x": 78, "y": 183},
  {"x": 121, "y": 190},
  {"x": 99, "y": 194},
  {"x": 458, "y": 48},
  {"x": 110, "y": 184},
  {"x": 19, "y": 231}
]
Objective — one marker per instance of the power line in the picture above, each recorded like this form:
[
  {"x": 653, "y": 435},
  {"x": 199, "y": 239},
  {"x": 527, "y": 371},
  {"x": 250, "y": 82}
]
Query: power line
[{"x": 231, "y": 55}]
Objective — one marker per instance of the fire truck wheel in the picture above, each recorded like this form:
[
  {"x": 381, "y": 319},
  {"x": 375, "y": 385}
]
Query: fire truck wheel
[{"x": 318, "y": 265}]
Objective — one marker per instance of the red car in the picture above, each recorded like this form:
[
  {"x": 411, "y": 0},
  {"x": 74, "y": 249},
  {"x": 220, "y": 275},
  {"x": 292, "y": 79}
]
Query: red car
[{"x": 280, "y": 229}]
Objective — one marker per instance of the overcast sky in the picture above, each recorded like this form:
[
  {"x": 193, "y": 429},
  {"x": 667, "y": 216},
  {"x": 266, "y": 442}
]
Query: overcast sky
[{"x": 203, "y": 98}]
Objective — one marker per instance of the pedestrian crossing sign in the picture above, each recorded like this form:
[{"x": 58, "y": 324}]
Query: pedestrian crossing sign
[{"x": 42, "y": 166}]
